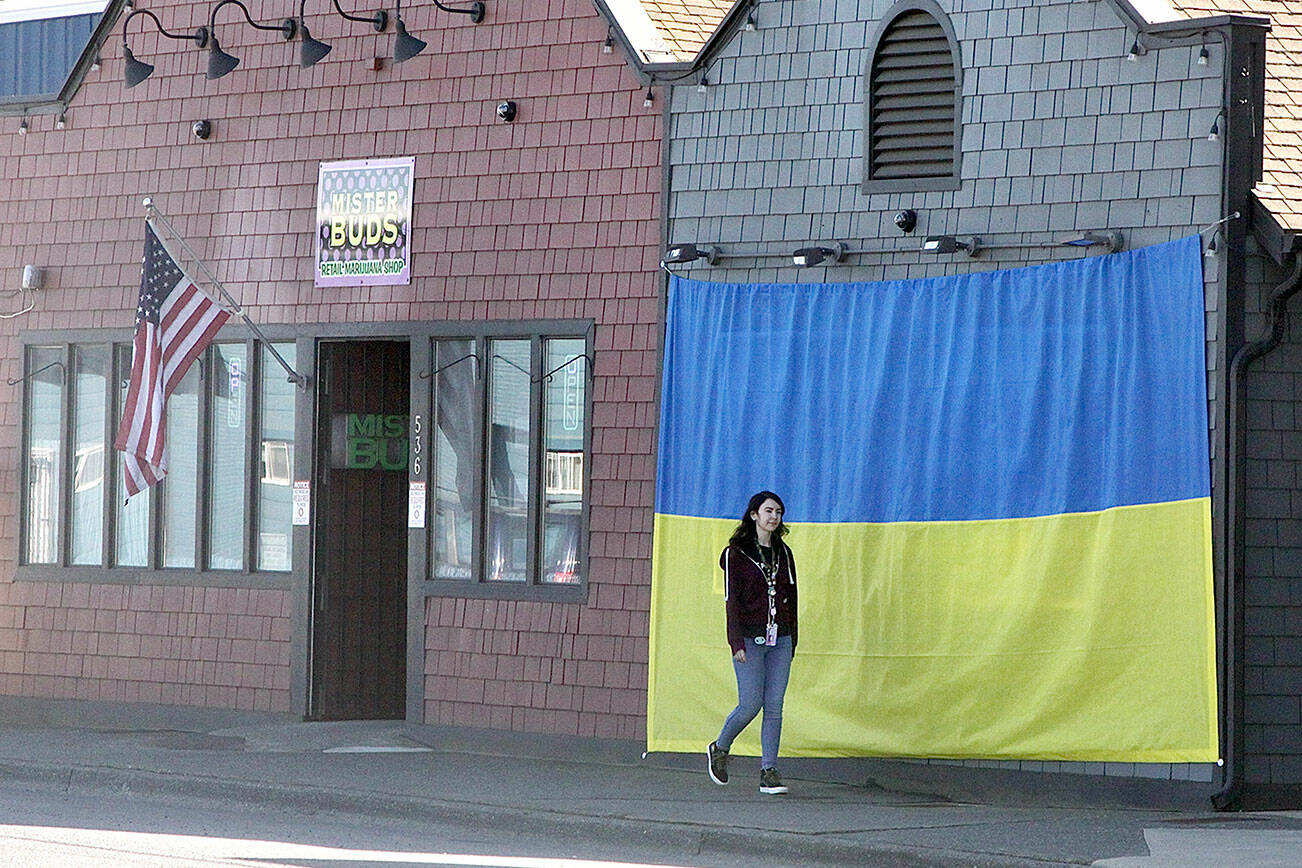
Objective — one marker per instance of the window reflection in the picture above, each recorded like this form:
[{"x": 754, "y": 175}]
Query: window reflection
[
  {"x": 275, "y": 506},
  {"x": 226, "y": 465},
  {"x": 508, "y": 461},
  {"x": 180, "y": 488},
  {"x": 565, "y": 403},
  {"x": 44, "y": 452},
  {"x": 131, "y": 546},
  {"x": 86, "y": 522},
  {"x": 455, "y": 390}
]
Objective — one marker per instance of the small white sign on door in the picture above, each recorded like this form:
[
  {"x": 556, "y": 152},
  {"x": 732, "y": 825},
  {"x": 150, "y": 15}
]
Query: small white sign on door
[
  {"x": 302, "y": 500},
  {"x": 416, "y": 504}
]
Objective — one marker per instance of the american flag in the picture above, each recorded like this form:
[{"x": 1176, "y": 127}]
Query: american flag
[{"x": 175, "y": 322}]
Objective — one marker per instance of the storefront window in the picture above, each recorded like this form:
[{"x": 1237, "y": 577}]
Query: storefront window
[
  {"x": 66, "y": 509},
  {"x": 44, "y": 436},
  {"x": 86, "y": 519},
  {"x": 454, "y": 476},
  {"x": 276, "y": 476},
  {"x": 564, "y": 403},
  {"x": 508, "y": 461},
  {"x": 131, "y": 546},
  {"x": 180, "y": 490},
  {"x": 226, "y": 465}
]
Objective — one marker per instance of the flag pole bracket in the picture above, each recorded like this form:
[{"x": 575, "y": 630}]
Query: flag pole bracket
[{"x": 153, "y": 214}]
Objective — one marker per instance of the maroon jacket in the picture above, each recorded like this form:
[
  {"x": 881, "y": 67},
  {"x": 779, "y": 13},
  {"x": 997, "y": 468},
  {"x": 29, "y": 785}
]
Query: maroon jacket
[{"x": 745, "y": 594}]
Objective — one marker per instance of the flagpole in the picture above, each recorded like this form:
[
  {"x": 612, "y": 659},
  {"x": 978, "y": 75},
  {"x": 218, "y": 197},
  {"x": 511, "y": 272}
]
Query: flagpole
[{"x": 152, "y": 213}]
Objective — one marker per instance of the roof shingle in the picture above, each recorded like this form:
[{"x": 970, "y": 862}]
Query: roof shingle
[
  {"x": 686, "y": 25},
  {"x": 1280, "y": 190}
]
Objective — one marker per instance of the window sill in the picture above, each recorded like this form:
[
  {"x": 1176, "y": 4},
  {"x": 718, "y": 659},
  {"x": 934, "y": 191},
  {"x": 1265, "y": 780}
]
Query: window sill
[
  {"x": 576, "y": 593},
  {"x": 143, "y": 576}
]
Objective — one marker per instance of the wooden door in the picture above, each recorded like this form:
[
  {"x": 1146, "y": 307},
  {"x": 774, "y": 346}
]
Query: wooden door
[{"x": 360, "y": 619}]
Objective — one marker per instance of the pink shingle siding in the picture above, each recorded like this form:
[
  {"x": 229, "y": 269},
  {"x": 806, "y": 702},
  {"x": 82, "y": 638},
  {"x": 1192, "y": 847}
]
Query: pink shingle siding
[{"x": 554, "y": 216}]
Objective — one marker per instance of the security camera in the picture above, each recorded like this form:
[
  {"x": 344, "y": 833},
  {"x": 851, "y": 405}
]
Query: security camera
[
  {"x": 506, "y": 111},
  {"x": 906, "y": 220},
  {"x": 202, "y": 129}
]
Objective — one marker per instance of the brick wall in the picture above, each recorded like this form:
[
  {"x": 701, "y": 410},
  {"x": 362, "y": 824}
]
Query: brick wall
[{"x": 552, "y": 216}]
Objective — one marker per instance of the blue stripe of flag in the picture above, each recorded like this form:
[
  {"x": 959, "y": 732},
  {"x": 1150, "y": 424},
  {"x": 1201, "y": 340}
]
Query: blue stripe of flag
[{"x": 1060, "y": 388}]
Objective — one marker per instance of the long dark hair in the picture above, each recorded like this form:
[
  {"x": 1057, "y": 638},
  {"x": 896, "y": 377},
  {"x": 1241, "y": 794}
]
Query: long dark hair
[{"x": 745, "y": 535}]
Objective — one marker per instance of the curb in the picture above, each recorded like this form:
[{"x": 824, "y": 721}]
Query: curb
[{"x": 692, "y": 837}]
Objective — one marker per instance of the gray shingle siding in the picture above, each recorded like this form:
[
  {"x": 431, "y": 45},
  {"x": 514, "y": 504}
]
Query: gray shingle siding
[
  {"x": 1273, "y": 605},
  {"x": 1073, "y": 127},
  {"x": 1060, "y": 134}
]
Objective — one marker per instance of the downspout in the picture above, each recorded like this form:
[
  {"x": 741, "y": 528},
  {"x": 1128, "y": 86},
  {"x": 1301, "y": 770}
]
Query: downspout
[
  {"x": 1242, "y": 104},
  {"x": 1227, "y": 799}
]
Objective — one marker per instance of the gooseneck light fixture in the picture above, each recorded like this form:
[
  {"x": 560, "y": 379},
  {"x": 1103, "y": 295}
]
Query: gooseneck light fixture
[
  {"x": 1214, "y": 134},
  {"x": 405, "y": 46},
  {"x": 137, "y": 70},
  {"x": 474, "y": 10},
  {"x": 312, "y": 50},
  {"x": 219, "y": 62}
]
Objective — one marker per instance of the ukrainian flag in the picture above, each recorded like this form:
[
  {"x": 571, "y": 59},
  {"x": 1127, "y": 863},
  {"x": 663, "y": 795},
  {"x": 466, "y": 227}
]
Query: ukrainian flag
[{"x": 999, "y": 496}]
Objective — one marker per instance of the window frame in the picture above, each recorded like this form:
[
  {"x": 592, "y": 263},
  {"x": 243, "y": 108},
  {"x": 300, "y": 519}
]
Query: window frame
[
  {"x": 421, "y": 337},
  {"x": 937, "y": 183},
  {"x": 421, "y": 547},
  {"x": 63, "y": 497}
]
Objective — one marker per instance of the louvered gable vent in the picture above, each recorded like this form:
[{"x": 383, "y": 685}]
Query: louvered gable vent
[{"x": 912, "y": 104}]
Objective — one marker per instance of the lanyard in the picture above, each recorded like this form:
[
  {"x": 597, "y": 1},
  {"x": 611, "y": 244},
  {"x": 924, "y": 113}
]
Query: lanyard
[{"x": 770, "y": 571}]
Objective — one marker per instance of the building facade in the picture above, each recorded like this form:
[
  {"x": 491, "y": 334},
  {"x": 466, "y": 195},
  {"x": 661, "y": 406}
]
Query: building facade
[
  {"x": 493, "y": 570},
  {"x": 446, "y": 518},
  {"x": 919, "y": 139}
]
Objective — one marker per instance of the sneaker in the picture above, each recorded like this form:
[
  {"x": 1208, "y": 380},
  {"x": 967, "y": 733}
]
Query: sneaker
[
  {"x": 718, "y": 763},
  {"x": 770, "y": 783}
]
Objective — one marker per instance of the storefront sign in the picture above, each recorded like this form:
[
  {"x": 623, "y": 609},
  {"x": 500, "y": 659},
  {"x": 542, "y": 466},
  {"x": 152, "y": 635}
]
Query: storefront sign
[
  {"x": 363, "y": 222},
  {"x": 366, "y": 441}
]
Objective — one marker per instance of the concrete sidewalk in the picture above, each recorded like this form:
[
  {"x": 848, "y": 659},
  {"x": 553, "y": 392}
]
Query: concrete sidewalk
[{"x": 838, "y": 812}]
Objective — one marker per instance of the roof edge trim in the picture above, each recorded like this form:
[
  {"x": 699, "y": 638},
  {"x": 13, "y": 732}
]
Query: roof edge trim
[{"x": 107, "y": 22}]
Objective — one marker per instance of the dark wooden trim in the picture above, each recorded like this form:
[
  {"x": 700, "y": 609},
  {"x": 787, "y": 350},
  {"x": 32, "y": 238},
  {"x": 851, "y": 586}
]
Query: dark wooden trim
[
  {"x": 576, "y": 593},
  {"x": 68, "y": 449},
  {"x": 419, "y": 539},
  {"x": 143, "y": 576}
]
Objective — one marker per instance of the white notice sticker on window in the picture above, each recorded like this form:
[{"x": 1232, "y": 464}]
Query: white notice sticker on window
[
  {"x": 302, "y": 498},
  {"x": 416, "y": 504}
]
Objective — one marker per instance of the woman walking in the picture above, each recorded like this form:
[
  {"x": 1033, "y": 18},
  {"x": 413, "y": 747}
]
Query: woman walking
[{"x": 759, "y": 590}]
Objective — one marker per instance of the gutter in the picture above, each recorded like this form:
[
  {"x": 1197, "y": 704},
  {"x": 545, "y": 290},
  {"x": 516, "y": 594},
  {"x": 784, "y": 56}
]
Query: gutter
[{"x": 1230, "y": 794}]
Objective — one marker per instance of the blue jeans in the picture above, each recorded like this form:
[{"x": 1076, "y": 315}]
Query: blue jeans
[{"x": 761, "y": 683}]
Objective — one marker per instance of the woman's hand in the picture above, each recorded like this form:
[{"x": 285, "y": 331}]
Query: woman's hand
[{"x": 740, "y": 656}]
